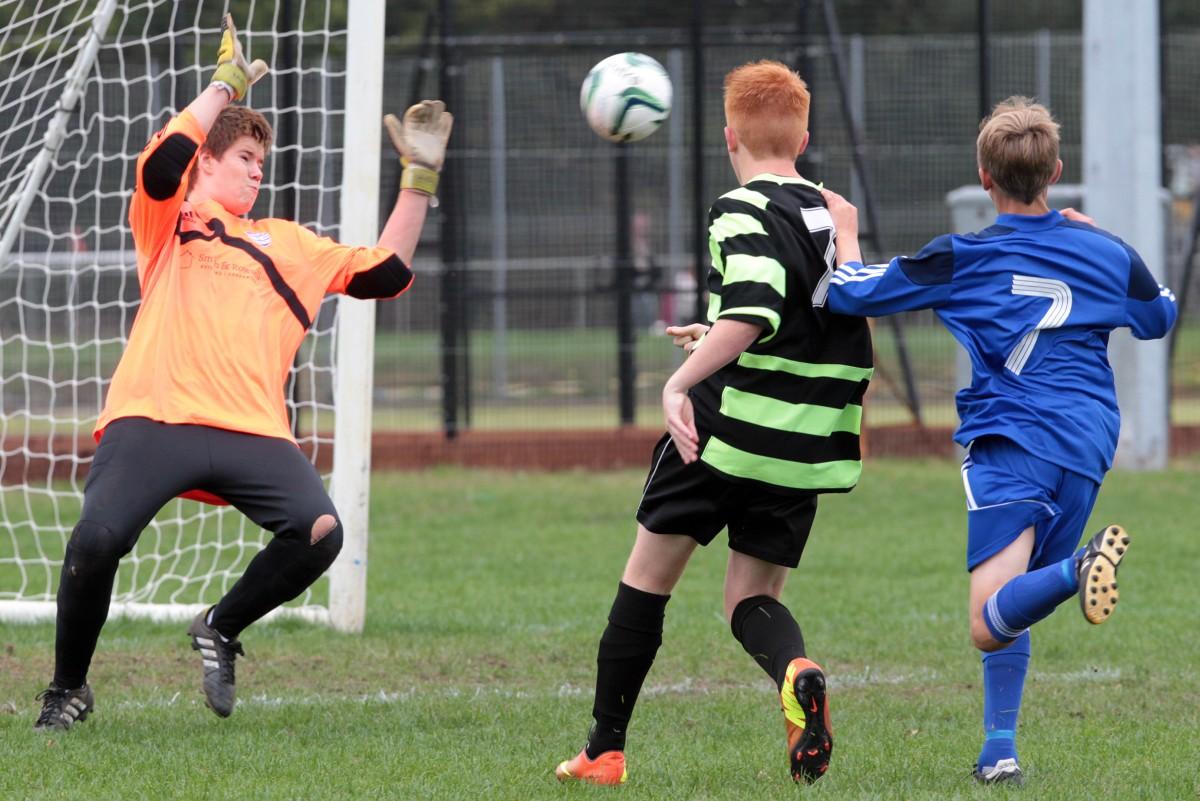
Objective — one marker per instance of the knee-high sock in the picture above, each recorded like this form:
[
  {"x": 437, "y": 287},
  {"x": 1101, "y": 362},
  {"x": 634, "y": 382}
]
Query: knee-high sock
[
  {"x": 1003, "y": 681},
  {"x": 1030, "y": 597},
  {"x": 627, "y": 650},
  {"x": 769, "y": 633},
  {"x": 84, "y": 591}
]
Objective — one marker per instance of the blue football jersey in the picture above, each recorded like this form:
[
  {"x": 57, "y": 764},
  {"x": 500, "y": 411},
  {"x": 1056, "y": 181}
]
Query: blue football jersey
[{"x": 1032, "y": 299}]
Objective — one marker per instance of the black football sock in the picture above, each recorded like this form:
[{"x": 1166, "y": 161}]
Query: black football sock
[
  {"x": 769, "y": 633},
  {"x": 627, "y": 650}
]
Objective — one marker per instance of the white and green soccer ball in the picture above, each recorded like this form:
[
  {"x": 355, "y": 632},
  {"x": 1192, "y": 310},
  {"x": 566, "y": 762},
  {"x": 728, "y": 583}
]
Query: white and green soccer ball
[{"x": 626, "y": 97}]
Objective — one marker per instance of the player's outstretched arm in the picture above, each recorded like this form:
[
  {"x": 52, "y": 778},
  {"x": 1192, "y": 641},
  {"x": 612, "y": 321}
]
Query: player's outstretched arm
[
  {"x": 726, "y": 340},
  {"x": 1150, "y": 307},
  {"x": 231, "y": 80},
  {"x": 906, "y": 283},
  {"x": 420, "y": 141},
  {"x": 845, "y": 225}
]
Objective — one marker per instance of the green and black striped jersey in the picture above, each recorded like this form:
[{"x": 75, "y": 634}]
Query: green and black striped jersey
[{"x": 787, "y": 412}]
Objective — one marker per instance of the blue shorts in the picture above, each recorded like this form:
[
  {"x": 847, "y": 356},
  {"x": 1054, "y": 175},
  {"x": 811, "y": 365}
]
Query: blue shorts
[{"x": 1009, "y": 489}]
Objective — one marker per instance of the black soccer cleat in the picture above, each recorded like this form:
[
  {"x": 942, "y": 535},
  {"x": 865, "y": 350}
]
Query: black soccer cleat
[
  {"x": 806, "y": 715},
  {"x": 217, "y": 655},
  {"x": 1006, "y": 771},
  {"x": 62, "y": 709},
  {"x": 1097, "y": 573}
]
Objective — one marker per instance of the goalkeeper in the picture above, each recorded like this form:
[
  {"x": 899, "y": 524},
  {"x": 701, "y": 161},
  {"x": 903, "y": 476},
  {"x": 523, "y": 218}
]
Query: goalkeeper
[{"x": 196, "y": 405}]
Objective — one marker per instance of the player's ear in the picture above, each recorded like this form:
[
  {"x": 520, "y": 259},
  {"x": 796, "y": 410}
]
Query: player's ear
[
  {"x": 803, "y": 144},
  {"x": 1057, "y": 172},
  {"x": 731, "y": 142},
  {"x": 985, "y": 179}
]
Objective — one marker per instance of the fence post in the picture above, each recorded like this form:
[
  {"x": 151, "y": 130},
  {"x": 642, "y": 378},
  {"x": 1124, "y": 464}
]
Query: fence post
[{"x": 499, "y": 232}]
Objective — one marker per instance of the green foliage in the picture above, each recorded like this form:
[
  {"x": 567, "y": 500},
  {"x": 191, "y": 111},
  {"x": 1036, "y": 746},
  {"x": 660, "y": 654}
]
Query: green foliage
[{"x": 488, "y": 592}]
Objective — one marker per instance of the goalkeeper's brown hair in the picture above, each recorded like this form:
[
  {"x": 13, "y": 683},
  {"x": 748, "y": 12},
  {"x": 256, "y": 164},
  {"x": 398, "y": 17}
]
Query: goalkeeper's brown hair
[
  {"x": 232, "y": 124},
  {"x": 1018, "y": 146},
  {"x": 766, "y": 104}
]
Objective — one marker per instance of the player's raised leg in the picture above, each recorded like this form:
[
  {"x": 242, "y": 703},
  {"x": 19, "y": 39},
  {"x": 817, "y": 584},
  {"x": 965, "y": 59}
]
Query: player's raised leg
[
  {"x": 138, "y": 467},
  {"x": 1007, "y": 601},
  {"x": 290, "y": 501},
  {"x": 776, "y": 528},
  {"x": 769, "y": 633},
  {"x": 627, "y": 650}
]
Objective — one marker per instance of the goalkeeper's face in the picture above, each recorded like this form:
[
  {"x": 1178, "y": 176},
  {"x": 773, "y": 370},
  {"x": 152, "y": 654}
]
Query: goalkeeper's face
[{"x": 235, "y": 176}]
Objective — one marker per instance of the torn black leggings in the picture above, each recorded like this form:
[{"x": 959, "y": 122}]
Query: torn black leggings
[{"x": 139, "y": 466}]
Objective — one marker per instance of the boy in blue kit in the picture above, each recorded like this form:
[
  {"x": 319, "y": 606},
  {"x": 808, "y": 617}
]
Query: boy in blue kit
[{"x": 1032, "y": 299}]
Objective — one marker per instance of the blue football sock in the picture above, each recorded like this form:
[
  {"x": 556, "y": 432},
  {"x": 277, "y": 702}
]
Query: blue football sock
[
  {"x": 1028, "y": 598},
  {"x": 1003, "y": 680}
]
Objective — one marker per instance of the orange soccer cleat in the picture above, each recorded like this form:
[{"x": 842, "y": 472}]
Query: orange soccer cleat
[
  {"x": 608, "y": 768},
  {"x": 806, "y": 713}
]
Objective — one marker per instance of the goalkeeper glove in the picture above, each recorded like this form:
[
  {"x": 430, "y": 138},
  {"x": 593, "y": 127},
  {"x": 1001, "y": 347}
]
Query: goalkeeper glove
[
  {"x": 233, "y": 74},
  {"x": 421, "y": 142}
]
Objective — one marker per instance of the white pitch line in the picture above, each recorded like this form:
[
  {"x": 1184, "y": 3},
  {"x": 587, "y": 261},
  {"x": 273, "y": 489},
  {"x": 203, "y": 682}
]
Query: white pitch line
[{"x": 864, "y": 678}]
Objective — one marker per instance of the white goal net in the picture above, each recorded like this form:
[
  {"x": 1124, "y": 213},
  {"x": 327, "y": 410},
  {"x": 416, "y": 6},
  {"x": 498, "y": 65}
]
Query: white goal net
[{"x": 83, "y": 87}]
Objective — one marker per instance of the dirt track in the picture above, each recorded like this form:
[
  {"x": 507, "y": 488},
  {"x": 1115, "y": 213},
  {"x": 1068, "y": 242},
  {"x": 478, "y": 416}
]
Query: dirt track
[{"x": 598, "y": 449}]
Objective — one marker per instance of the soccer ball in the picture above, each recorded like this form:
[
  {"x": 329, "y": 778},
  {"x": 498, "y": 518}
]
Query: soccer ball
[{"x": 626, "y": 97}]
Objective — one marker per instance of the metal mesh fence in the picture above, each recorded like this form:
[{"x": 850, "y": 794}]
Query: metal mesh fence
[
  {"x": 536, "y": 345},
  {"x": 511, "y": 323}
]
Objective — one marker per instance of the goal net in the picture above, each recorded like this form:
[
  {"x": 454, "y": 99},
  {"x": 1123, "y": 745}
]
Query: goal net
[{"x": 85, "y": 85}]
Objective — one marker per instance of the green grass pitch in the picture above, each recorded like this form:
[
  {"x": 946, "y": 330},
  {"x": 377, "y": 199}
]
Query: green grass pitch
[{"x": 488, "y": 593}]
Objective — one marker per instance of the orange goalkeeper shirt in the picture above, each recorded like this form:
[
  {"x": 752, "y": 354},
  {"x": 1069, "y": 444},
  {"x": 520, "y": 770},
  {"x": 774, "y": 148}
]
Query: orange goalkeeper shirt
[{"x": 226, "y": 302}]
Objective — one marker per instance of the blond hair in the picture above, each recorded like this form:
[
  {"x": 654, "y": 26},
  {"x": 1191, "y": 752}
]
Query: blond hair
[
  {"x": 1018, "y": 146},
  {"x": 766, "y": 104}
]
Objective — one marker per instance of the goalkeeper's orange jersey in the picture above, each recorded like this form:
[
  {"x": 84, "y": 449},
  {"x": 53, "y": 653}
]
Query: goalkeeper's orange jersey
[{"x": 226, "y": 302}]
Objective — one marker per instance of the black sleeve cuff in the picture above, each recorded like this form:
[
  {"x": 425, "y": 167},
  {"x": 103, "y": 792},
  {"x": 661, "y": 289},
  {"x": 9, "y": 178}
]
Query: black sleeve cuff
[{"x": 385, "y": 280}]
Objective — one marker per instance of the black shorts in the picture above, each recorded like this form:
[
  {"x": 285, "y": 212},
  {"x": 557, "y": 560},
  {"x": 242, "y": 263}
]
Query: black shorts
[{"x": 690, "y": 499}]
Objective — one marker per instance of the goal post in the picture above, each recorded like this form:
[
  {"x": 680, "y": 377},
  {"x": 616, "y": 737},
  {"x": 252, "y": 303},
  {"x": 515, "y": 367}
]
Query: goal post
[
  {"x": 87, "y": 84},
  {"x": 356, "y": 318}
]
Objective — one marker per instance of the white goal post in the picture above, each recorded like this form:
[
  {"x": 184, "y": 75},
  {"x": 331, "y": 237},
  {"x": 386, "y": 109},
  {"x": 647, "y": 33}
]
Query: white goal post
[{"x": 86, "y": 83}]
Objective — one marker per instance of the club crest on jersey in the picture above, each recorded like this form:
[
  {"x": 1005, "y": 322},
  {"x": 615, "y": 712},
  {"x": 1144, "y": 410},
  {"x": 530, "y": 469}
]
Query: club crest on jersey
[{"x": 260, "y": 238}]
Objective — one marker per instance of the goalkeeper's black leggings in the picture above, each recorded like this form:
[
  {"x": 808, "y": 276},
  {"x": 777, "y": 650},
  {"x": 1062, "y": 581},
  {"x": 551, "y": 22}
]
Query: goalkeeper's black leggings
[{"x": 139, "y": 466}]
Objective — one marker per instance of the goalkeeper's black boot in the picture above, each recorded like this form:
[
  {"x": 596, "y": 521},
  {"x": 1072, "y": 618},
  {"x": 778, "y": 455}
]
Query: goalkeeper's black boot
[
  {"x": 217, "y": 655},
  {"x": 62, "y": 709},
  {"x": 1098, "y": 572}
]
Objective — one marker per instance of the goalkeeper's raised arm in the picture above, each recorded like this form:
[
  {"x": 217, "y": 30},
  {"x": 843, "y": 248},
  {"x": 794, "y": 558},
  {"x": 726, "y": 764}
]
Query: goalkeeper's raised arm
[
  {"x": 420, "y": 141},
  {"x": 168, "y": 164}
]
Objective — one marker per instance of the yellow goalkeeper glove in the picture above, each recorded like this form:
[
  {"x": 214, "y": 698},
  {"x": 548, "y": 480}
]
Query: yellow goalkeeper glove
[
  {"x": 233, "y": 73},
  {"x": 421, "y": 142}
]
